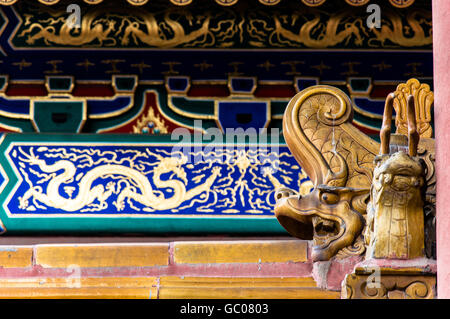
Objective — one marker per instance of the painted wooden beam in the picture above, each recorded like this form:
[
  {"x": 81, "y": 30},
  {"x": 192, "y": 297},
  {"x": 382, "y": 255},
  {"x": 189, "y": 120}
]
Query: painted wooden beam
[{"x": 85, "y": 183}]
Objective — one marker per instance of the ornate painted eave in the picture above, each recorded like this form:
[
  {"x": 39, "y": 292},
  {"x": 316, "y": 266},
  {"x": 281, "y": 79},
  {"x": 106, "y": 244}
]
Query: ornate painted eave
[{"x": 310, "y": 3}]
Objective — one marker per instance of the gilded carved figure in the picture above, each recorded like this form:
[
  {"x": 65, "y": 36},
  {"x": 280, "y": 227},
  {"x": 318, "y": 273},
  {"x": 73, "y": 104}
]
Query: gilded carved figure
[
  {"x": 338, "y": 158},
  {"x": 395, "y": 212},
  {"x": 349, "y": 172}
]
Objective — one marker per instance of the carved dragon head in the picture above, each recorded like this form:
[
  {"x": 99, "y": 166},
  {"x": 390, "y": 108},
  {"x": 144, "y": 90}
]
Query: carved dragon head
[{"x": 339, "y": 159}]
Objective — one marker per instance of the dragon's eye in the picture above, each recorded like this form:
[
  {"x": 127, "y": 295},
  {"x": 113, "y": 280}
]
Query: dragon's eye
[{"x": 329, "y": 198}]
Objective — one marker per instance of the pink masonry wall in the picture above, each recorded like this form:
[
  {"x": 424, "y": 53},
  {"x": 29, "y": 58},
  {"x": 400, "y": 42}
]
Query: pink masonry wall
[{"x": 441, "y": 48}]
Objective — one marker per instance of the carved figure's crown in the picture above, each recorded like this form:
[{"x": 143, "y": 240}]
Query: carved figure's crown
[{"x": 423, "y": 99}]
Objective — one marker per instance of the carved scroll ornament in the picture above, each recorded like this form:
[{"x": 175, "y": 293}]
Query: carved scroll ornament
[{"x": 357, "y": 286}]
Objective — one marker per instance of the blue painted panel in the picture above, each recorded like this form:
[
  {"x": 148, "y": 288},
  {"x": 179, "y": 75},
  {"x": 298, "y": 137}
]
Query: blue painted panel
[
  {"x": 98, "y": 107},
  {"x": 243, "y": 114},
  {"x": 90, "y": 183},
  {"x": 372, "y": 106},
  {"x": 17, "y": 106}
]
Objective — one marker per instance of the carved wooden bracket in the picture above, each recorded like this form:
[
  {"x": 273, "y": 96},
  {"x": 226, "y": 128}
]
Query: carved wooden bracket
[
  {"x": 387, "y": 279},
  {"x": 389, "y": 286}
]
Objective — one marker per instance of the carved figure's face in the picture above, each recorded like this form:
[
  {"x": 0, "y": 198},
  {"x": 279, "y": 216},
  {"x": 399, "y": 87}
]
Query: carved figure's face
[{"x": 330, "y": 216}]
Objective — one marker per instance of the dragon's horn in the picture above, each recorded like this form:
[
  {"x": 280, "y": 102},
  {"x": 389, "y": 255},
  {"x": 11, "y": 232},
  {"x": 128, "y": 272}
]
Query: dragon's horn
[
  {"x": 385, "y": 132},
  {"x": 413, "y": 134}
]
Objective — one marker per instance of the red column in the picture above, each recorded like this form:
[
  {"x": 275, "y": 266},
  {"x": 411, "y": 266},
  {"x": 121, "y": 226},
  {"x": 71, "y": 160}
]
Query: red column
[{"x": 441, "y": 48}]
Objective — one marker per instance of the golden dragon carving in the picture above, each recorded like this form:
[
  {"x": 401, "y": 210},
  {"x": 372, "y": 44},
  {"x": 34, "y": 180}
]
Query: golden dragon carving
[
  {"x": 342, "y": 28},
  {"x": 394, "y": 29},
  {"x": 151, "y": 34},
  {"x": 338, "y": 158},
  {"x": 91, "y": 30},
  {"x": 87, "y": 194},
  {"x": 340, "y": 161},
  {"x": 178, "y": 27},
  {"x": 97, "y": 27},
  {"x": 329, "y": 35}
]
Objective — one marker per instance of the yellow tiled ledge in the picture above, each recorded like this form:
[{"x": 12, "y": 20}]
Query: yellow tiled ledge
[
  {"x": 102, "y": 255},
  {"x": 16, "y": 256},
  {"x": 245, "y": 288},
  {"x": 179, "y": 269},
  {"x": 71, "y": 287},
  {"x": 165, "y": 287},
  {"x": 257, "y": 251},
  {"x": 77, "y": 293},
  {"x": 155, "y": 254}
]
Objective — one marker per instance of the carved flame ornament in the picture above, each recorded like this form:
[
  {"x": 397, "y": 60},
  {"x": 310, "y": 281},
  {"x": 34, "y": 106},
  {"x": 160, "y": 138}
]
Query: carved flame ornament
[{"x": 424, "y": 97}]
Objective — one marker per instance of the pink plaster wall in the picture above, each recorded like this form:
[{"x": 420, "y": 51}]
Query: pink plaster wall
[
  {"x": 330, "y": 274},
  {"x": 441, "y": 47}
]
